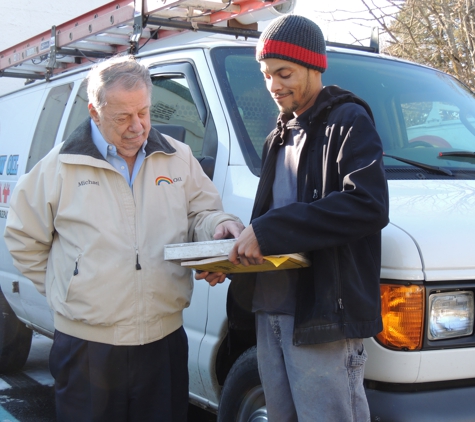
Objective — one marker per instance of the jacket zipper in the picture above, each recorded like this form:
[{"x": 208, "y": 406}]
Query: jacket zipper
[
  {"x": 315, "y": 174},
  {"x": 76, "y": 270},
  {"x": 339, "y": 299},
  {"x": 137, "y": 263},
  {"x": 340, "y": 302}
]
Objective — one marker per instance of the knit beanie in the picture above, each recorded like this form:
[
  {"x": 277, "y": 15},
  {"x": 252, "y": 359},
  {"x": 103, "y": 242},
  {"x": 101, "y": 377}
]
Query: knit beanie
[{"x": 296, "y": 39}]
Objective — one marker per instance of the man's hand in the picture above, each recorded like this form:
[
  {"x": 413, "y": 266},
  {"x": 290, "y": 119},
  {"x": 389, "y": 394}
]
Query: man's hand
[
  {"x": 211, "y": 278},
  {"x": 228, "y": 230},
  {"x": 246, "y": 250}
]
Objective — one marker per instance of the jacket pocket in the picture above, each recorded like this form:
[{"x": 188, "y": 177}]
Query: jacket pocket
[
  {"x": 356, "y": 359},
  {"x": 74, "y": 273}
]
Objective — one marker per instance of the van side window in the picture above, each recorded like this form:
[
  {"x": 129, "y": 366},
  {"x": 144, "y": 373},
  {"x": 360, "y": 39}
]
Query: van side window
[
  {"x": 173, "y": 104},
  {"x": 79, "y": 112},
  {"x": 48, "y": 123},
  {"x": 252, "y": 109},
  {"x": 179, "y": 109}
]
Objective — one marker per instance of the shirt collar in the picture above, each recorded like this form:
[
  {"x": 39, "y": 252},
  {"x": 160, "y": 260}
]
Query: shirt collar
[{"x": 102, "y": 145}]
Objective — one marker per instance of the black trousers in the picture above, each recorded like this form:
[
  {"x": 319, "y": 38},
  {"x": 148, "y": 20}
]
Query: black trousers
[{"x": 96, "y": 382}]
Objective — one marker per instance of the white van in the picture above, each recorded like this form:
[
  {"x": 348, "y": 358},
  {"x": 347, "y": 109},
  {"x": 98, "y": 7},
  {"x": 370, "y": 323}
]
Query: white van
[{"x": 211, "y": 95}]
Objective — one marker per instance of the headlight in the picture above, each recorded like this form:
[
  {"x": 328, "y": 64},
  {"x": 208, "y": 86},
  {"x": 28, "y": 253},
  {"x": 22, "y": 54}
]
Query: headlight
[{"x": 450, "y": 315}]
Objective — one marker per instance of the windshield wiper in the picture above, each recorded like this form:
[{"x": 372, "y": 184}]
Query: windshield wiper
[
  {"x": 436, "y": 169},
  {"x": 457, "y": 154}
]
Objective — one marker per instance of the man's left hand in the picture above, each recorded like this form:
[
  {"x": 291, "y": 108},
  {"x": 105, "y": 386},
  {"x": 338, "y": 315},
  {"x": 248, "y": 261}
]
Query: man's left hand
[
  {"x": 211, "y": 278},
  {"x": 226, "y": 230},
  {"x": 229, "y": 229}
]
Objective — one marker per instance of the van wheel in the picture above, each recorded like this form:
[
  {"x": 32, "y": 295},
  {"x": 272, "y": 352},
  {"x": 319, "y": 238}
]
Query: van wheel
[
  {"x": 15, "y": 339},
  {"x": 242, "y": 398}
]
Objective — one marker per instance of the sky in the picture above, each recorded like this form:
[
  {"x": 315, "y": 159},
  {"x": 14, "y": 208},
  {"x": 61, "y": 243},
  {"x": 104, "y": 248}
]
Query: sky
[{"x": 342, "y": 21}]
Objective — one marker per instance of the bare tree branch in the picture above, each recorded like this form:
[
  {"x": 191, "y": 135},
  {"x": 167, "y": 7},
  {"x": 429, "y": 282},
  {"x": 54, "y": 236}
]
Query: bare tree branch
[{"x": 437, "y": 33}]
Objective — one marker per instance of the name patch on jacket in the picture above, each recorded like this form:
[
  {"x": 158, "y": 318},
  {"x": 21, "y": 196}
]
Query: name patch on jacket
[{"x": 87, "y": 182}]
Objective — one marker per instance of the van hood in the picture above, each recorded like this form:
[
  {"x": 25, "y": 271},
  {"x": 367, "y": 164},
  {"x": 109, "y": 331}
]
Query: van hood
[{"x": 434, "y": 219}]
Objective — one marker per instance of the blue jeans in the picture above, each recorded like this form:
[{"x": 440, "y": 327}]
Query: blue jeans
[{"x": 320, "y": 382}]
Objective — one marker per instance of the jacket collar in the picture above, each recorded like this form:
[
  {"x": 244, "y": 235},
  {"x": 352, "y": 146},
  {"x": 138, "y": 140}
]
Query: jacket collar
[
  {"x": 80, "y": 143},
  {"x": 328, "y": 97},
  {"x": 331, "y": 96}
]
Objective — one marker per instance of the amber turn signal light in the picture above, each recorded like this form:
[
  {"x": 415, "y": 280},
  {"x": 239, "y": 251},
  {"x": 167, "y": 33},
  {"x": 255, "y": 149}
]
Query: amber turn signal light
[{"x": 402, "y": 309}]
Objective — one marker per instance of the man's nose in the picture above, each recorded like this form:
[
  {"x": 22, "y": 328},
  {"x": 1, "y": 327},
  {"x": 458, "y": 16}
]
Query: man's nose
[
  {"x": 274, "y": 85},
  {"x": 135, "y": 124}
]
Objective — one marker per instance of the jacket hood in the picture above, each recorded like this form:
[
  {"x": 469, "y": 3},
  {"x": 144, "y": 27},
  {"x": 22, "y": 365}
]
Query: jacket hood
[
  {"x": 333, "y": 95},
  {"x": 80, "y": 142},
  {"x": 328, "y": 98}
]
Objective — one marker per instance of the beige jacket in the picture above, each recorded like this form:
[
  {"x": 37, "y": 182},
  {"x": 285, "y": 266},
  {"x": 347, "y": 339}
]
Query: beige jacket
[{"x": 95, "y": 247}]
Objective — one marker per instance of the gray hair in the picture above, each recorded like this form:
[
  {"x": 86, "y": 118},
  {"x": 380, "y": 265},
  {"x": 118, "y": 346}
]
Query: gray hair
[{"x": 123, "y": 71}]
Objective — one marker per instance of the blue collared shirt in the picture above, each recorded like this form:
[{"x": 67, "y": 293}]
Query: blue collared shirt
[{"x": 109, "y": 152}]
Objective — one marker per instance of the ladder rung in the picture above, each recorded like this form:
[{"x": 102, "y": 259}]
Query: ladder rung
[
  {"x": 93, "y": 46},
  {"x": 183, "y": 14},
  {"x": 151, "y": 6},
  {"x": 65, "y": 59},
  {"x": 82, "y": 53},
  {"x": 20, "y": 75},
  {"x": 24, "y": 67},
  {"x": 211, "y": 5},
  {"x": 245, "y": 6},
  {"x": 126, "y": 30},
  {"x": 105, "y": 39}
]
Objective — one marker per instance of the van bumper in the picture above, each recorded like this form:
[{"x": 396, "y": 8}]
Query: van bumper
[{"x": 454, "y": 405}]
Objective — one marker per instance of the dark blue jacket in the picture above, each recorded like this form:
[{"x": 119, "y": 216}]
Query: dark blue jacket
[{"x": 342, "y": 207}]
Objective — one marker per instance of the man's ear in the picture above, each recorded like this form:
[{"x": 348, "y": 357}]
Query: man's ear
[{"x": 93, "y": 113}]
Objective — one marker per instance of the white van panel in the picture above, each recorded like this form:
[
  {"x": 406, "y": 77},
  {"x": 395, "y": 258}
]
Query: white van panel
[
  {"x": 417, "y": 367},
  {"x": 19, "y": 126},
  {"x": 239, "y": 192},
  {"x": 403, "y": 367},
  {"x": 15, "y": 128},
  {"x": 400, "y": 258},
  {"x": 431, "y": 210},
  {"x": 451, "y": 364},
  {"x": 216, "y": 329}
]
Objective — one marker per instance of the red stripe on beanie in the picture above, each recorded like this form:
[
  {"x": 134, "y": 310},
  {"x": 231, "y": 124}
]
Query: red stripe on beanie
[{"x": 293, "y": 51}]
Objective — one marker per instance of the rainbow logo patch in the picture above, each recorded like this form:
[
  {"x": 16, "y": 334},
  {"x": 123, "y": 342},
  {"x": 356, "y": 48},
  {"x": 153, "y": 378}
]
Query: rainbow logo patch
[{"x": 162, "y": 179}]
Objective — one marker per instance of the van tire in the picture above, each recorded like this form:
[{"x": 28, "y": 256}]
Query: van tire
[
  {"x": 15, "y": 339},
  {"x": 242, "y": 397}
]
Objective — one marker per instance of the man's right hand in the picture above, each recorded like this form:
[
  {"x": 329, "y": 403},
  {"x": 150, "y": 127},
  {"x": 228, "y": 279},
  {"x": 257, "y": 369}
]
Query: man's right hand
[
  {"x": 211, "y": 278},
  {"x": 246, "y": 250}
]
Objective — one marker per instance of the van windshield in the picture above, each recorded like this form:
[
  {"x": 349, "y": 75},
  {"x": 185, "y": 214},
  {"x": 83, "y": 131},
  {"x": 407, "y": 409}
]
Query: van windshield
[{"x": 422, "y": 115}]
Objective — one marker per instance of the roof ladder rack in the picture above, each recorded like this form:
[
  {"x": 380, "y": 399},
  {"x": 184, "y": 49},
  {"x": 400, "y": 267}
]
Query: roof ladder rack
[{"x": 124, "y": 27}]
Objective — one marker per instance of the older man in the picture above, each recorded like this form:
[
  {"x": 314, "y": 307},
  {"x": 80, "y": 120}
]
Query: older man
[{"x": 88, "y": 226}]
